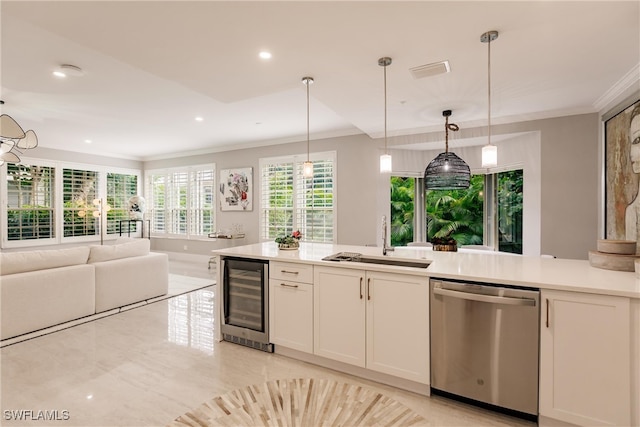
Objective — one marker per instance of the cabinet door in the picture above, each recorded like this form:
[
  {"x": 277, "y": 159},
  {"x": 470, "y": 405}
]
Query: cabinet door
[
  {"x": 398, "y": 325},
  {"x": 585, "y": 358},
  {"x": 338, "y": 309},
  {"x": 291, "y": 315}
]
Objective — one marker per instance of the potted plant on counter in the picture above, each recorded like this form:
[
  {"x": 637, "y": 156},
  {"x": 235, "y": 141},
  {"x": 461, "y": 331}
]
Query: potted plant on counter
[
  {"x": 290, "y": 242},
  {"x": 447, "y": 244}
]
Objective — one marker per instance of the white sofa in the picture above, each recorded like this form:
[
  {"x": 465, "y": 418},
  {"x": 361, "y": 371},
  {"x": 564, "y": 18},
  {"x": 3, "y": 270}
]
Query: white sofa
[{"x": 44, "y": 288}]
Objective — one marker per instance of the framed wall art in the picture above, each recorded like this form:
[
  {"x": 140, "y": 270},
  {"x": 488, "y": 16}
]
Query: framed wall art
[
  {"x": 236, "y": 189},
  {"x": 622, "y": 174}
]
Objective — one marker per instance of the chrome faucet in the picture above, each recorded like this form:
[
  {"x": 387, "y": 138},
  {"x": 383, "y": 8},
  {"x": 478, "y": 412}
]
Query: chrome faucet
[{"x": 385, "y": 248}]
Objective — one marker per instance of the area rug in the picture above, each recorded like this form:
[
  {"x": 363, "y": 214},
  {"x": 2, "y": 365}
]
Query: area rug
[{"x": 300, "y": 402}]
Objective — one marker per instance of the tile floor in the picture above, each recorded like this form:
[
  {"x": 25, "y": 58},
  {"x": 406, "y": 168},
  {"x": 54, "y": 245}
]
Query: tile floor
[{"x": 149, "y": 365}]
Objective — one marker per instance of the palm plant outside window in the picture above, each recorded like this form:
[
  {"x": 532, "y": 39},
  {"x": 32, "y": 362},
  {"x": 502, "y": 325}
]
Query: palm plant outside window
[{"x": 460, "y": 213}]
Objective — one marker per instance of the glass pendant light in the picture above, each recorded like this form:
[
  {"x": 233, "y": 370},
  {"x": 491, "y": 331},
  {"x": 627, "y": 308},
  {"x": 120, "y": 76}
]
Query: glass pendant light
[
  {"x": 447, "y": 171},
  {"x": 489, "y": 151},
  {"x": 307, "y": 167},
  {"x": 385, "y": 159}
]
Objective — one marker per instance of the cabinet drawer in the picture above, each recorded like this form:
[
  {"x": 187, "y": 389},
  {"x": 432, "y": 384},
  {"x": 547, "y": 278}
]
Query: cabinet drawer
[{"x": 291, "y": 271}]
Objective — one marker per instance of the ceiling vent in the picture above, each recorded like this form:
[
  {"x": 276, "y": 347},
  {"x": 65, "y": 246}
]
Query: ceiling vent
[{"x": 429, "y": 70}]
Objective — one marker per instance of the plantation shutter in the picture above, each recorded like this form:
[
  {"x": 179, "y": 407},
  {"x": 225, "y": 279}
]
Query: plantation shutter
[
  {"x": 202, "y": 202},
  {"x": 276, "y": 199},
  {"x": 120, "y": 188},
  {"x": 30, "y": 208},
  {"x": 78, "y": 192},
  {"x": 290, "y": 202}
]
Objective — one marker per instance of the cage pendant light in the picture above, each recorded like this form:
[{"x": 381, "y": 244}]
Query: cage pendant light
[
  {"x": 307, "y": 167},
  {"x": 447, "y": 171},
  {"x": 385, "y": 159},
  {"x": 489, "y": 151}
]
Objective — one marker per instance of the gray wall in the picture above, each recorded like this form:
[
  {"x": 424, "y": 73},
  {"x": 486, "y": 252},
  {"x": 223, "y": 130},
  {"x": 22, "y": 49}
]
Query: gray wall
[
  {"x": 570, "y": 171},
  {"x": 356, "y": 190}
]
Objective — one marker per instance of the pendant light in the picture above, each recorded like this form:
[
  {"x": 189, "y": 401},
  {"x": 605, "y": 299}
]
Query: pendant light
[
  {"x": 447, "y": 171},
  {"x": 489, "y": 151},
  {"x": 385, "y": 159},
  {"x": 307, "y": 167}
]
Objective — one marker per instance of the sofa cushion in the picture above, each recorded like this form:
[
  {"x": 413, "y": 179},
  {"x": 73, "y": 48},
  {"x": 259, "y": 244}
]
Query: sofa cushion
[
  {"x": 20, "y": 262},
  {"x": 138, "y": 247}
]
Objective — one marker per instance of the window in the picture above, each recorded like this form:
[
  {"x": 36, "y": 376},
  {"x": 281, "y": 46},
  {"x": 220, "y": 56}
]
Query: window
[
  {"x": 79, "y": 189},
  {"x": 461, "y": 213},
  {"x": 49, "y": 202},
  {"x": 30, "y": 207},
  {"x": 290, "y": 202},
  {"x": 120, "y": 188},
  {"x": 182, "y": 201}
]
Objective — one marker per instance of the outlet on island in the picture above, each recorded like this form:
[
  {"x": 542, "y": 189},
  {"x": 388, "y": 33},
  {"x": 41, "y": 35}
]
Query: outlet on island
[{"x": 184, "y": 247}]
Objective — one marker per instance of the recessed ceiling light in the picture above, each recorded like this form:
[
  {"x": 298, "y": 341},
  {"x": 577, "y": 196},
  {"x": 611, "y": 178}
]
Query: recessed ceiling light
[
  {"x": 65, "y": 70},
  {"x": 87, "y": 141},
  {"x": 265, "y": 55},
  {"x": 199, "y": 119}
]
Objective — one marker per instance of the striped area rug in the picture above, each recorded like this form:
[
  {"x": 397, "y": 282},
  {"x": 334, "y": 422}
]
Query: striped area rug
[{"x": 300, "y": 402}]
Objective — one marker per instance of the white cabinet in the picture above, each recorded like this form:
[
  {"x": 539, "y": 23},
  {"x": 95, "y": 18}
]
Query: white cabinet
[
  {"x": 585, "y": 358},
  {"x": 379, "y": 321},
  {"x": 338, "y": 313},
  {"x": 291, "y": 306},
  {"x": 398, "y": 325}
]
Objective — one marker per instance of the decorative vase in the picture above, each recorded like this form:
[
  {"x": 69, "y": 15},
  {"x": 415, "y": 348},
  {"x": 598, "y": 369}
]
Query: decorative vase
[
  {"x": 446, "y": 247},
  {"x": 289, "y": 246}
]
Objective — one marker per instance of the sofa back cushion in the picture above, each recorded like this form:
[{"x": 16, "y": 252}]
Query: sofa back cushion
[
  {"x": 20, "y": 262},
  {"x": 138, "y": 247}
]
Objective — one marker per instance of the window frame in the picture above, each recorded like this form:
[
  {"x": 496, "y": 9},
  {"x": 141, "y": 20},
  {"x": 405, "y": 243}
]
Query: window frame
[
  {"x": 190, "y": 208},
  {"x": 58, "y": 200},
  {"x": 490, "y": 208},
  {"x": 297, "y": 206}
]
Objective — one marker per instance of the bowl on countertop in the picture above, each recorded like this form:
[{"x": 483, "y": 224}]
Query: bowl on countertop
[
  {"x": 621, "y": 247},
  {"x": 619, "y": 262}
]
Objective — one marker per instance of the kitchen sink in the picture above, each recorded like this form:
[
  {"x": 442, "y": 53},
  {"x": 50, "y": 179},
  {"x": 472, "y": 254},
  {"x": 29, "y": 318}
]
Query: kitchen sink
[{"x": 356, "y": 257}]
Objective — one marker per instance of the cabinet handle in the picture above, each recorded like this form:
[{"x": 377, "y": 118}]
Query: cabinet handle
[
  {"x": 288, "y": 286},
  {"x": 288, "y": 272},
  {"x": 368, "y": 288},
  {"x": 547, "y": 312},
  {"x": 361, "y": 288}
]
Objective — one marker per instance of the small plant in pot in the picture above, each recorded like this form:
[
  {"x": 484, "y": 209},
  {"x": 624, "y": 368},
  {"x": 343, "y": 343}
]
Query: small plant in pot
[
  {"x": 447, "y": 244},
  {"x": 291, "y": 241}
]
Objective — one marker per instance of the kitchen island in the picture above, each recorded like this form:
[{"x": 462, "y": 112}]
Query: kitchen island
[{"x": 372, "y": 320}]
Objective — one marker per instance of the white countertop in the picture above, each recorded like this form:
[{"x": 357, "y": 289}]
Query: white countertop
[{"x": 466, "y": 264}]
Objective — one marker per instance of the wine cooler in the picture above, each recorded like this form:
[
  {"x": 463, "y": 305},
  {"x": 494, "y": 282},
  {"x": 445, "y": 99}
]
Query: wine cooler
[{"x": 245, "y": 302}]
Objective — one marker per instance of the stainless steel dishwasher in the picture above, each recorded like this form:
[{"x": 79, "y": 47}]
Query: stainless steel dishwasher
[{"x": 484, "y": 345}]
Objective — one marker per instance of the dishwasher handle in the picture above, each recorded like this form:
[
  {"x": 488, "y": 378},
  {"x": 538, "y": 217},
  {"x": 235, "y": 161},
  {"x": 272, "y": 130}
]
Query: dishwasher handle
[{"x": 485, "y": 298}]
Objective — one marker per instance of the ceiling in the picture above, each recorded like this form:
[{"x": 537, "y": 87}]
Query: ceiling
[{"x": 151, "y": 67}]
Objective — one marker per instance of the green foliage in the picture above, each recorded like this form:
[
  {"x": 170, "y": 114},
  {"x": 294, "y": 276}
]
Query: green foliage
[
  {"x": 450, "y": 213},
  {"x": 402, "y": 197},
  {"x": 510, "y": 198},
  {"x": 457, "y": 213}
]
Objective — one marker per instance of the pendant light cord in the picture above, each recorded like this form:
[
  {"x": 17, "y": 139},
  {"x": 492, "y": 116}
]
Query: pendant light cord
[
  {"x": 385, "y": 110},
  {"x": 489, "y": 87},
  {"x": 307, "y": 84}
]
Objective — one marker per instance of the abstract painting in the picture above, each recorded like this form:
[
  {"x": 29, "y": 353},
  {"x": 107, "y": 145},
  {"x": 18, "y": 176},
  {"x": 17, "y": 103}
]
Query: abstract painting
[{"x": 236, "y": 187}]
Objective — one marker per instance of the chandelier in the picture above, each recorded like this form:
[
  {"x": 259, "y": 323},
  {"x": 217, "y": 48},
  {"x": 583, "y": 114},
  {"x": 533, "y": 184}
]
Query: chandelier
[{"x": 447, "y": 171}]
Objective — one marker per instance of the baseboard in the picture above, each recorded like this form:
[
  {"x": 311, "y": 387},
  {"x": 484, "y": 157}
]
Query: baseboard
[{"x": 401, "y": 383}]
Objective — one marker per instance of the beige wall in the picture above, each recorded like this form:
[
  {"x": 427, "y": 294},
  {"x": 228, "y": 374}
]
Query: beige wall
[{"x": 569, "y": 184}]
